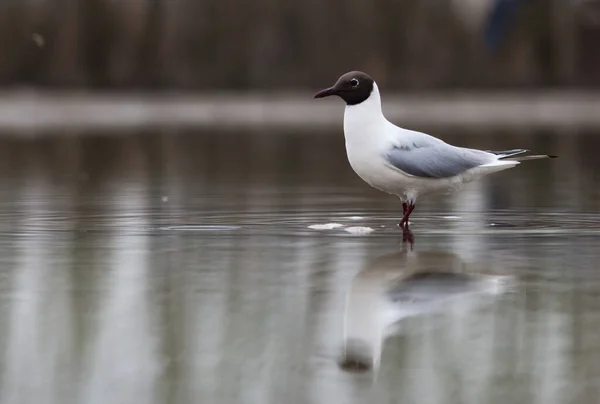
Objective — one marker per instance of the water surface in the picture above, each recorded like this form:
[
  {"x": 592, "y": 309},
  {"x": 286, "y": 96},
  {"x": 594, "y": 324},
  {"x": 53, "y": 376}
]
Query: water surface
[{"x": 180, "y": 267}]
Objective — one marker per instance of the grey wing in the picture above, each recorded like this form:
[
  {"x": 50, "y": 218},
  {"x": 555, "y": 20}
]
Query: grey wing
[{"x": 438, "y": 160}]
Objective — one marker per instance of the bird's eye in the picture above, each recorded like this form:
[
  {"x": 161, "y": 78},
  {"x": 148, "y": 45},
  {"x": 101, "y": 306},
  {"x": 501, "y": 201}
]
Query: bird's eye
[{"x": 354, "y": 82}]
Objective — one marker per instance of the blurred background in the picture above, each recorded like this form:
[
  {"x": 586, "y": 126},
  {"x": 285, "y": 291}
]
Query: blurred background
[
  {"x": 266, "y": 45},
  {"x": 179, "y": 222}
]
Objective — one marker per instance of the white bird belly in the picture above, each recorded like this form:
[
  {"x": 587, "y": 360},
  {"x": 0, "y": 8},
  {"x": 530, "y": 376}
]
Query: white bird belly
[{"x": 372, "y": 168}]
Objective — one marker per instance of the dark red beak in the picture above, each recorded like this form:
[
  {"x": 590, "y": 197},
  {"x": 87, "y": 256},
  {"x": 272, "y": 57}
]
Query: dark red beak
[{"x": 325, "y": 93}]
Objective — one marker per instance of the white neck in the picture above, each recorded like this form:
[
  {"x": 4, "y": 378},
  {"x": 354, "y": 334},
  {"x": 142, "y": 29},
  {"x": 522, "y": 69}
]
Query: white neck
[{"x": 362, "y": 122}]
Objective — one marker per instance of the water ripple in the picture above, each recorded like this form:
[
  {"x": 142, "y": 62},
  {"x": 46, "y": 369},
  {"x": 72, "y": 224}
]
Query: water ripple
[{"x": 304, "y": 223}]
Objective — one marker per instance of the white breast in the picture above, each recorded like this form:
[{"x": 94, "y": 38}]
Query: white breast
[{"x": 367, "y": 134}]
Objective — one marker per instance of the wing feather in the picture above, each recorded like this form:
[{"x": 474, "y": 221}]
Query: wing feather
[{"x": 436, "y": 159}]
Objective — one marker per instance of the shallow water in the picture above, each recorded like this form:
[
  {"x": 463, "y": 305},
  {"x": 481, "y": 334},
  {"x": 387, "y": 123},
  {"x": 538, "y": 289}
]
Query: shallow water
[{"x": 181, "y": 267}]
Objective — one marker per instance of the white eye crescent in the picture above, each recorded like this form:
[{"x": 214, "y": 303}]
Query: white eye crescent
[{"x": 354, "y": 83}]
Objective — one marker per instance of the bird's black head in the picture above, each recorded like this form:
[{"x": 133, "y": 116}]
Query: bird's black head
[{"x": 353, "y": 87}]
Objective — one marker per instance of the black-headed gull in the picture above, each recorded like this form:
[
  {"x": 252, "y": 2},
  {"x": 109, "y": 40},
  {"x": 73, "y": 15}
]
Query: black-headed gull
[{"x": 404, "y": 162}]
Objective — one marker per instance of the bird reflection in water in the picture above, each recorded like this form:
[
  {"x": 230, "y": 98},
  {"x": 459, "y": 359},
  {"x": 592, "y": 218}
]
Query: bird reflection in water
[
  {"x": 401, "y": 285},
  {"x": 408, "y": 237}
]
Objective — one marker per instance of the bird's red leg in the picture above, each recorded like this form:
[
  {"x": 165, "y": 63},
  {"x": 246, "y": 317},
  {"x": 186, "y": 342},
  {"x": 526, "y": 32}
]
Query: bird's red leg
[
  {"x": 404, "y": 209},
  {"x": 409, "y": 209}
]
